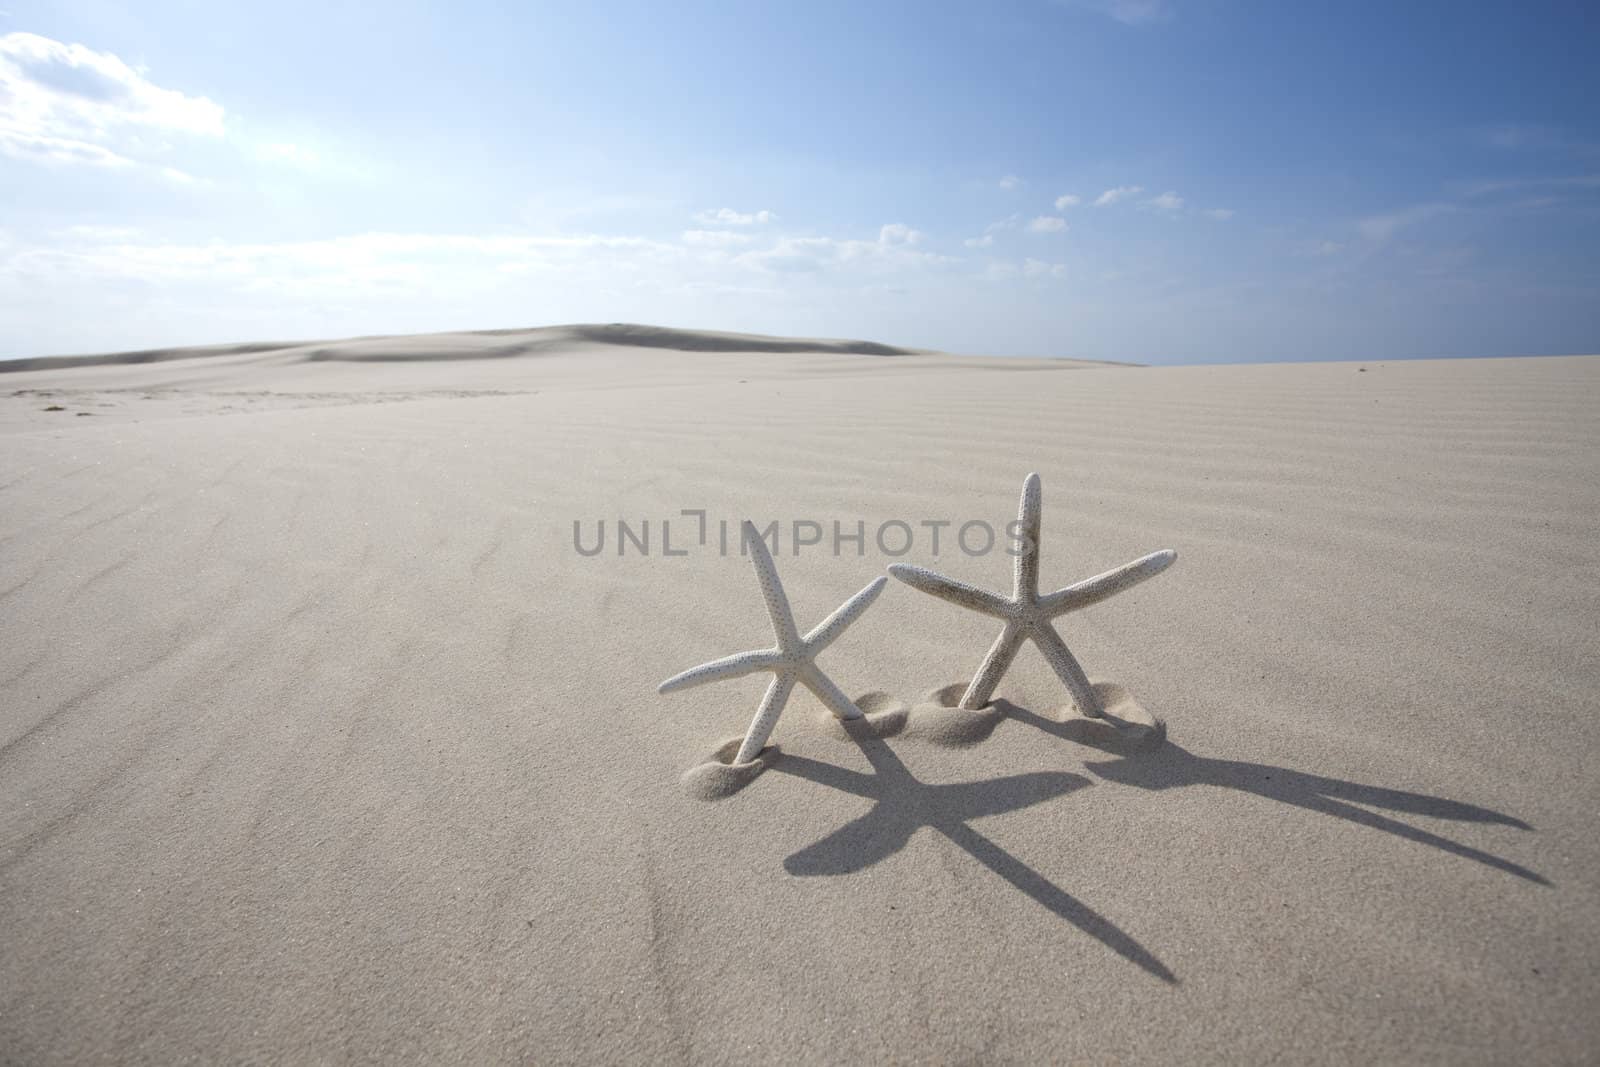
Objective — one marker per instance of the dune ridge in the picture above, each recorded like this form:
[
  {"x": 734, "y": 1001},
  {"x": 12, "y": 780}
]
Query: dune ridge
[{"x": 475, "y": 344}]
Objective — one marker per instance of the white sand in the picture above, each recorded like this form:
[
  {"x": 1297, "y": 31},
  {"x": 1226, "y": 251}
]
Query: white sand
[{"x": 320, "y": 743}]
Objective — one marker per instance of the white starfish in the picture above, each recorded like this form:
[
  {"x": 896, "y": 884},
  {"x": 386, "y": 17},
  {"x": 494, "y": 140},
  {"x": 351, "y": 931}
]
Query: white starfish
[
  {"x": 1027, "y": 615},
  {"x": 794, "y": 660}
]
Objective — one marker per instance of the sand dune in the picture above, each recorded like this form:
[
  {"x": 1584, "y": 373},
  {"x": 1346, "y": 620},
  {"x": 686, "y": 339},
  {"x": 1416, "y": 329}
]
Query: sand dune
[
  {"x": 322, "y": 742},
  {"x": 473, "y": 344}
]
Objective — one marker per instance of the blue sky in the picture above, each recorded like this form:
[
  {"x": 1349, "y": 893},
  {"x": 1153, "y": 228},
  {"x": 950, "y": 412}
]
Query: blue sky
[{"x": 1151, "y": 180}]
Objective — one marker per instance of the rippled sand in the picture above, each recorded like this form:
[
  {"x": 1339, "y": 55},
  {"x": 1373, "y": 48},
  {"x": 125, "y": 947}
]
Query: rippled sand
[{"x": 320, "y": 741}]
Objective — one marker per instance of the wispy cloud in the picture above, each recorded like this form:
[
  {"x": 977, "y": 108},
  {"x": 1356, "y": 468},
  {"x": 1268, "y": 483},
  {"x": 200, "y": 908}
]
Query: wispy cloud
[
  {"x": 1001, "y": 270},
  {"x": 68, "y": 104},
  {"x": 1167, "y": 201},
  {"x": 1508, "y": 185},
  {"x": 716, "y": 238},
  {"x": 1010, "y": 182},
  {"x": 727, "y": 216},
  {"x": 286, "y": 152},
  {"x": 1120, "y": 193},
  {"x": 1066, "y": 200},
  {"x": 379, "y": 265},
  {"x": 1381, "y": 228},
  {"x": 1010, "y": 222},
  {"x": 1127, "y": 12},
  {"x": 1038, "y": 268},
  {"x": 895, "y": 248},
  {"x": 898, "y": 233},
  {"x": 1221, "y": 214},
  {"x": 1047, "y": 224}
]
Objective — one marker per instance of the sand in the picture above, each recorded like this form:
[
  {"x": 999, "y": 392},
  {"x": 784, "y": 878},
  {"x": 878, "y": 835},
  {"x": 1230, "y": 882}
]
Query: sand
[{"x": 320, "y": 741}]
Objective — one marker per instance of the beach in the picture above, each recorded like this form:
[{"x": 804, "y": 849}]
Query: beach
[{"x": 326, "y": 740}]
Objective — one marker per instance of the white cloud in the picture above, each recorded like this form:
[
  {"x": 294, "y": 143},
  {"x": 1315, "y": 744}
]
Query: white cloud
[
  {"x": 1380, "y": 228},
  {"x": 715, "y": 238},
  {"x": 979, "y": 242},
  {"x": 898, "y": 233},
  {"x": 1221, "y": 214},
  {"x": 1010, "y": 182},
  {"x": 1066, "y": 200},
  {"x": 726, "y": 216},
  {"x": 285, "y": 152},
  {"x": 91, "y": 232},
  {"x": 1121, "y": 192},
  {"x": 893, "y": 249},
  {"x": 1047, "y": 224},
  {"x": 1167, "y": 201},
  {"x": 367, "y": 263},
  {"x": 1127, "y": 12},
  {"x": 1000, "y": 270},
  {"x": 65, "y": 103}
]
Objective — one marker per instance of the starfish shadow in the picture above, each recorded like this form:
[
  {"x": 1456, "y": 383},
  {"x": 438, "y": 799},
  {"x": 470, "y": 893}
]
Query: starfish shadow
[
  {"x": 1173, "y": 767},
  {"x": 903, "y": 805}
]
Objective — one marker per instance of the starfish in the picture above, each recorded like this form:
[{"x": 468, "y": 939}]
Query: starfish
[
  {"x": 1026, "y": 614},
  {"x": 794, "y": 658}
]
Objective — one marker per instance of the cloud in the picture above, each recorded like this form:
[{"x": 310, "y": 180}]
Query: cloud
[
  {"x": 1380, "y": 228},
  {"x": 1010, "y": 222},
  {"x": 1000, "y": 270},
  {"x": 726, "y": 216},
  {"x": 1167, "y": 201},
  {"x": 1010, "y": 182},
  {"x": 1221, "y": 214},
  {"x": 1066, "y": 200},
  {"x": 715, "y": 238},
  {"x": 293, "y": 154},
  {"x": 68, "y": 104},
  {"x": 92, "y": 232},
  {"x": 1047, "y": 224},
  {"x": 897, "y": 233},
  {"x": 379, "y": 263},
  {"x": 893, "y": 249},
  {"x": 1127, "y": 12},
  {"x": 1519, "y": 136},
  {"x": 1121, "y": 192},
  {"x": 1562, "y": 182}
]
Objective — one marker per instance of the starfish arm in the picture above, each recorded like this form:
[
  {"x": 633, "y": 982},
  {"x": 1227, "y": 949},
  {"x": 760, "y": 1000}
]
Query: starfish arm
[
  {"x": 1001, "y": 653},
  {"x": 1066, "y": 667},
  {"x": 771, "y": 588},
  {"x": 831, "y": 695},
  {"x": 766, "y": 717},
  {"x": 1026, "y": 573},
  {"x": 830, "y": 628},
  {"x": 1101, "y": 586},
  {"x": 959, "y": 593},
  {"x": 734, "y": 666}
]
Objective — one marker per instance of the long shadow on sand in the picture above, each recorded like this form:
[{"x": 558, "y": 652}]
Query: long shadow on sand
[
  {"x": 1173, "y": 767},
  {"x": 902, "y": 805}
]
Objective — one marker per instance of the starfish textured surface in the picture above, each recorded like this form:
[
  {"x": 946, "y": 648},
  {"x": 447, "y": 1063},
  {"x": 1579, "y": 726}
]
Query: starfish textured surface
[
  {"x": 1026, "y": 614},
  {"x": 793, "y": 660}
]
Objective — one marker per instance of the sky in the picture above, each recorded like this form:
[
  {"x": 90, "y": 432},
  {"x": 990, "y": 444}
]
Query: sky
[{"x": 1161, "y": 181}]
